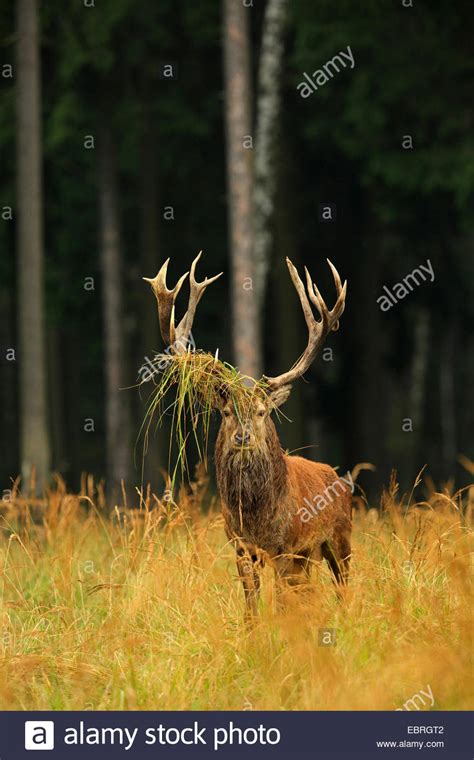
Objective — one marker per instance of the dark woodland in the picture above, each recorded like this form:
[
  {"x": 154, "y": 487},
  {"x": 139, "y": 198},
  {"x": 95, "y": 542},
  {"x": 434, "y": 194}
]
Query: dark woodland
[{"x": 133, "y": 132}]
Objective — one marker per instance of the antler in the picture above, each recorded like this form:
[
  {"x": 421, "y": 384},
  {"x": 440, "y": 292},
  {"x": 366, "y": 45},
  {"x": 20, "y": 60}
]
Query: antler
[
  {"x": 317, "y": 329},
  {"x": 177, "y": 338}
]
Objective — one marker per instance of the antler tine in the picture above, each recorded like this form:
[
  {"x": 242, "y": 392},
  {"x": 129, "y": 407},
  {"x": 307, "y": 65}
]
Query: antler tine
[
  {"x": 200, "y": 286},
  {"x": 317, "y": 329},
  {"x": 296, "y": 279},
  {"x": 332, "y": 316},
  {"x": 165, "y": 299},
  {"x": 335, "y": 274},
  {"x": 196, "y": 292},
  {"x": 341, "y": 290},
  {"x": 339, "y": 307},
  {"x": 317, "y": 299}
]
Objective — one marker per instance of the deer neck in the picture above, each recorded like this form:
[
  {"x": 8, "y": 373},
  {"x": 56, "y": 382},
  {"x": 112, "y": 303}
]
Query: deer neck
[{"x": 251, "y": 483}]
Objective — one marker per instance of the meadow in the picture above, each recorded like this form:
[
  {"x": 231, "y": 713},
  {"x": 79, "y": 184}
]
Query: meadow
[{"x": 141, "y": 608}]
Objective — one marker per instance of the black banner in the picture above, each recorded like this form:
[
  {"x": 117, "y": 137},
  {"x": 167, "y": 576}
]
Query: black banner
[{"x": 325, "y": 735}]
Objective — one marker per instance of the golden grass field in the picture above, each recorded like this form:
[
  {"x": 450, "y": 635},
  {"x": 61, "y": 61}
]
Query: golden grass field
[{"x": 142, "y": 610}]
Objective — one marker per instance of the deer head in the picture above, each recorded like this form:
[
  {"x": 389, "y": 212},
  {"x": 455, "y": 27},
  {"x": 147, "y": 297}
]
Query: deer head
[{"x": 250, "y": 429}]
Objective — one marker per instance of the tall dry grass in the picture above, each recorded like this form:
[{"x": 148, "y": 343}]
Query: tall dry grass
[{"x": 142, "y": 609}]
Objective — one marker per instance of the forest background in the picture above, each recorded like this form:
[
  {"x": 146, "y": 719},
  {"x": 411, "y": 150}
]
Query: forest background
[{"x": 130, "y": 133}]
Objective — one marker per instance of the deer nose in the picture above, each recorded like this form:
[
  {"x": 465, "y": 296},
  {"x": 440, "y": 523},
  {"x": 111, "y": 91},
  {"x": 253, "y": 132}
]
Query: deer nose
[{"x": 242, "y": 438}]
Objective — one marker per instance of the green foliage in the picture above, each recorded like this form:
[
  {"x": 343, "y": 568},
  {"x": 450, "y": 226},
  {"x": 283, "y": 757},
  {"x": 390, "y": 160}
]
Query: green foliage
[{"x": 418, "y": 86}]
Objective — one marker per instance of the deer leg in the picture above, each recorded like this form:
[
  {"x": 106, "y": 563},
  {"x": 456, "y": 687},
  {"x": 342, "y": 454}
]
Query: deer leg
[
  {"x": 246, "y": 566},
  {"x": 345, "y": 555},
  {"x": 303, "y": 564},
  {"x": 292, "y": 572},
  {"x": 337, "y": 555}
]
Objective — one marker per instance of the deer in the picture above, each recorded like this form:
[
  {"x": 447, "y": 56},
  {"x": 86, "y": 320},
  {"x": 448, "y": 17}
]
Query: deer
[{"x": 263, "y": 489}]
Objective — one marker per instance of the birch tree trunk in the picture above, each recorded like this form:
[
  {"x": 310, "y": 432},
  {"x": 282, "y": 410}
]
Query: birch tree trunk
[
  {"x": 34, "y": 434},
  {"x": 268, "y": 122}
]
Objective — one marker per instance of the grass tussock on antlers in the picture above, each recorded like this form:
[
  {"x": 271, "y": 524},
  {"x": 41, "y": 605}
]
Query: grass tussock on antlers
[
  {"x": 198, "y": 382},
  {"x": 140, "y": 609}
]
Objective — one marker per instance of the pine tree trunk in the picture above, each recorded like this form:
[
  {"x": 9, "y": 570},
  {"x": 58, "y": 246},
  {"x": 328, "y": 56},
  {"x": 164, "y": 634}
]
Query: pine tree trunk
[
  {"x": 150, "y": 259},
  {"x": 286, "y": 313},
  {"x": 246, "y": 335},
  {"x": 56, "y": 399},
  {"x": 8, "y": 388},
  {"x": 419, "y": 365},
  {"x": 34, "y": 434},
  {"x": 117, "y": 419},
  {"x": 447, "y": 399}
]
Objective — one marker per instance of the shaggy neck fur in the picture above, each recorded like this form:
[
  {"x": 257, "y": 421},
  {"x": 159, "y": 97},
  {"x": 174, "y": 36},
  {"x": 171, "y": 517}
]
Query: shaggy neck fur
[{"x": 251, "y": 482}]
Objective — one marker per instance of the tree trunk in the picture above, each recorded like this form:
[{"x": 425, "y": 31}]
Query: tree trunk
[
  {"x": 419, "y": 365},
  {"x": 365, "y": 394},
  {"x": 246, "y": 335},
  {"x": 150, "y": 462},
  {"x": 74, "y": 450},
  {"x": 285, "y": 309},
  {"x": 117, "y": 420},
  {"x": 56, "y": 399},
  {"x": 8, "y": 389},
  {"x": 268, "y": 122},
  {"x": 34, "y": 434},
  {"x": 447, "y": 399}
]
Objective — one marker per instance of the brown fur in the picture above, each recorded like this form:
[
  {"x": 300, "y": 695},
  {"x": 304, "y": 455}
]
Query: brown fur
[{"x": 262, "y": 490}]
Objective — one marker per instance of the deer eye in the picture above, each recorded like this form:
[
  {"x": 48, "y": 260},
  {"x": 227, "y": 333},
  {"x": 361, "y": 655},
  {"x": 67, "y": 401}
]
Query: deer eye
[
  {"x": 261, "y": 413},
  {"x": 227, "y": 412}
]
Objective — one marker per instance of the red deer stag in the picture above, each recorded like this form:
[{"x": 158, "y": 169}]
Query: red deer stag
[{"x": 263, "y": 490}]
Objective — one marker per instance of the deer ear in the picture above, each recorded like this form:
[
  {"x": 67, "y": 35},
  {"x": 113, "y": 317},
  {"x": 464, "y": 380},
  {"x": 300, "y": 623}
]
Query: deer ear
[
  {"x": 222, "y": 397},
  {"x": 280, "y": 395}
]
